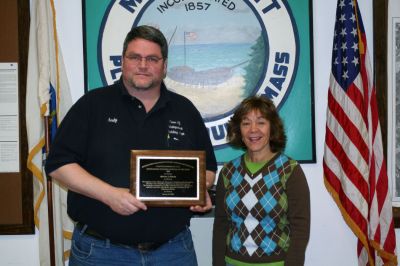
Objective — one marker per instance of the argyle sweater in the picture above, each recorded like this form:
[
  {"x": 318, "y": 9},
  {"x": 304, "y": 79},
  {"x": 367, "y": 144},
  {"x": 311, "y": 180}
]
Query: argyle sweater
[{"x": 261, "y": 217}]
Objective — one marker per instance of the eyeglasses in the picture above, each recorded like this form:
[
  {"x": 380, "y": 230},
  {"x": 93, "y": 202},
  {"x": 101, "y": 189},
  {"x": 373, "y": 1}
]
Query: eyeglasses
[{"x": 150, "y": 60}]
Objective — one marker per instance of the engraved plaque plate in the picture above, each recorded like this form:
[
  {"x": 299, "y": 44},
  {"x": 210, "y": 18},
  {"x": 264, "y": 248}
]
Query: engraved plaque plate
[{"x": 168, "y": 178}]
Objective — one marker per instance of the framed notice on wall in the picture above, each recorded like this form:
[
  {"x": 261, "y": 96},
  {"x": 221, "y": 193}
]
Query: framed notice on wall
[
  {"x": 9, "y": 118},
  {"x": 220, "y": 52}
]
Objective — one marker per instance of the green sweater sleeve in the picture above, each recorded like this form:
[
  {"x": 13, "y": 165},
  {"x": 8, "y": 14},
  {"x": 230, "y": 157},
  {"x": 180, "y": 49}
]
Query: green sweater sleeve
[{"x": 298, "y": 216}]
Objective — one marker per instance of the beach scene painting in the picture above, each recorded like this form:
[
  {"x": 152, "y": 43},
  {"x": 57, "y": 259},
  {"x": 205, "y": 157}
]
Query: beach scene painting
[{"x": 216, "y": 57}]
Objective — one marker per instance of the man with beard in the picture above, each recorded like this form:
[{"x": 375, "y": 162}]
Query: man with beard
[{"x": 91, "y": 157}]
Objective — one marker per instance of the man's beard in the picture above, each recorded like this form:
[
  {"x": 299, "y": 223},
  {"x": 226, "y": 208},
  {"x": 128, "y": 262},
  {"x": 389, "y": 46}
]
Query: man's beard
[{"x": 142, "y": 87}]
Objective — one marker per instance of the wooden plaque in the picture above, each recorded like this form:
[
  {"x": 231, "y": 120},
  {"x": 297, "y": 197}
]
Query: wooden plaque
[{"x": 168, "y": 178}]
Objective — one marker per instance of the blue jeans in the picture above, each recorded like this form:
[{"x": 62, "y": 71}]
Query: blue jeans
[{"x": 87, "y": 250}]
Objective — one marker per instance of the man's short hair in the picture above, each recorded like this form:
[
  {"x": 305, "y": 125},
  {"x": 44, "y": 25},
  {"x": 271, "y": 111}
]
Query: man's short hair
[{"x": 148, "y": 33}]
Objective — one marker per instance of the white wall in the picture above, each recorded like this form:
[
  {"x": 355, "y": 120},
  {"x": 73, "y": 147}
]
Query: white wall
[{"x": 331, "y": 242}]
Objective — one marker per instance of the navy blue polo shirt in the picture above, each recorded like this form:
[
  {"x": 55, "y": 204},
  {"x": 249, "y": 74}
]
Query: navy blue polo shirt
[{"x": 98, "y": 133}]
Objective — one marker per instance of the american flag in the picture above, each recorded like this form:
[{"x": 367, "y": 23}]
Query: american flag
[
  {"x": 190, "y": 35},
  {"x": 354, "y": 164}
]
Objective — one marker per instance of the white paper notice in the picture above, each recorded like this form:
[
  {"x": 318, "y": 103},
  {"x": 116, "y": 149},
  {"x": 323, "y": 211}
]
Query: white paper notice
[{"x": 9, "y": 118}]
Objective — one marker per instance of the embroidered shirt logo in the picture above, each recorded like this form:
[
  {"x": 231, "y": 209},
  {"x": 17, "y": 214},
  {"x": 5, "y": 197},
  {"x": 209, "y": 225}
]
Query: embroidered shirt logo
[
  {"x": 112, "y": 120},
  {"x": 175, "y": 130}
]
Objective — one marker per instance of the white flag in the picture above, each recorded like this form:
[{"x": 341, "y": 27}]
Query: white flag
[{"x": 46, "y": 80}]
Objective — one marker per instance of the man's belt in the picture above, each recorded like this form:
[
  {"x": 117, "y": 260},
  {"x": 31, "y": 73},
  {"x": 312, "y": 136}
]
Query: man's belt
[{"x": 146, "y": 246}]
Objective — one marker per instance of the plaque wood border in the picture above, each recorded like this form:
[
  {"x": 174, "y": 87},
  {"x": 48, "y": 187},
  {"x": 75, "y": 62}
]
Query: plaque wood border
[{"x": 168, "y": 154}]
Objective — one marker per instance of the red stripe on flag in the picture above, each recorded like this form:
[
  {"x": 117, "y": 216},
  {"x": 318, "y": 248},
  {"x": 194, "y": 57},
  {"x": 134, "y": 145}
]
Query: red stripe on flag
[
  {"x": 349, "y": 169},
  {"x": 374, "y": 115},
  {"x": 352, "y": 131},
  {"x": 354, "y": 93},
  {"x": 346, "y": 205}
]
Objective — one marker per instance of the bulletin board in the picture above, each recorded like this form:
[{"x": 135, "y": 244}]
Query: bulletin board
[{"x": 16, "y": 191}]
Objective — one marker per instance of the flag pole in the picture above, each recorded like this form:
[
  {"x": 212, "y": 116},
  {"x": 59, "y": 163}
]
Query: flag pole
[
  {"x": 49, "y": 184},
  {"x": 184, "y": 47}
]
